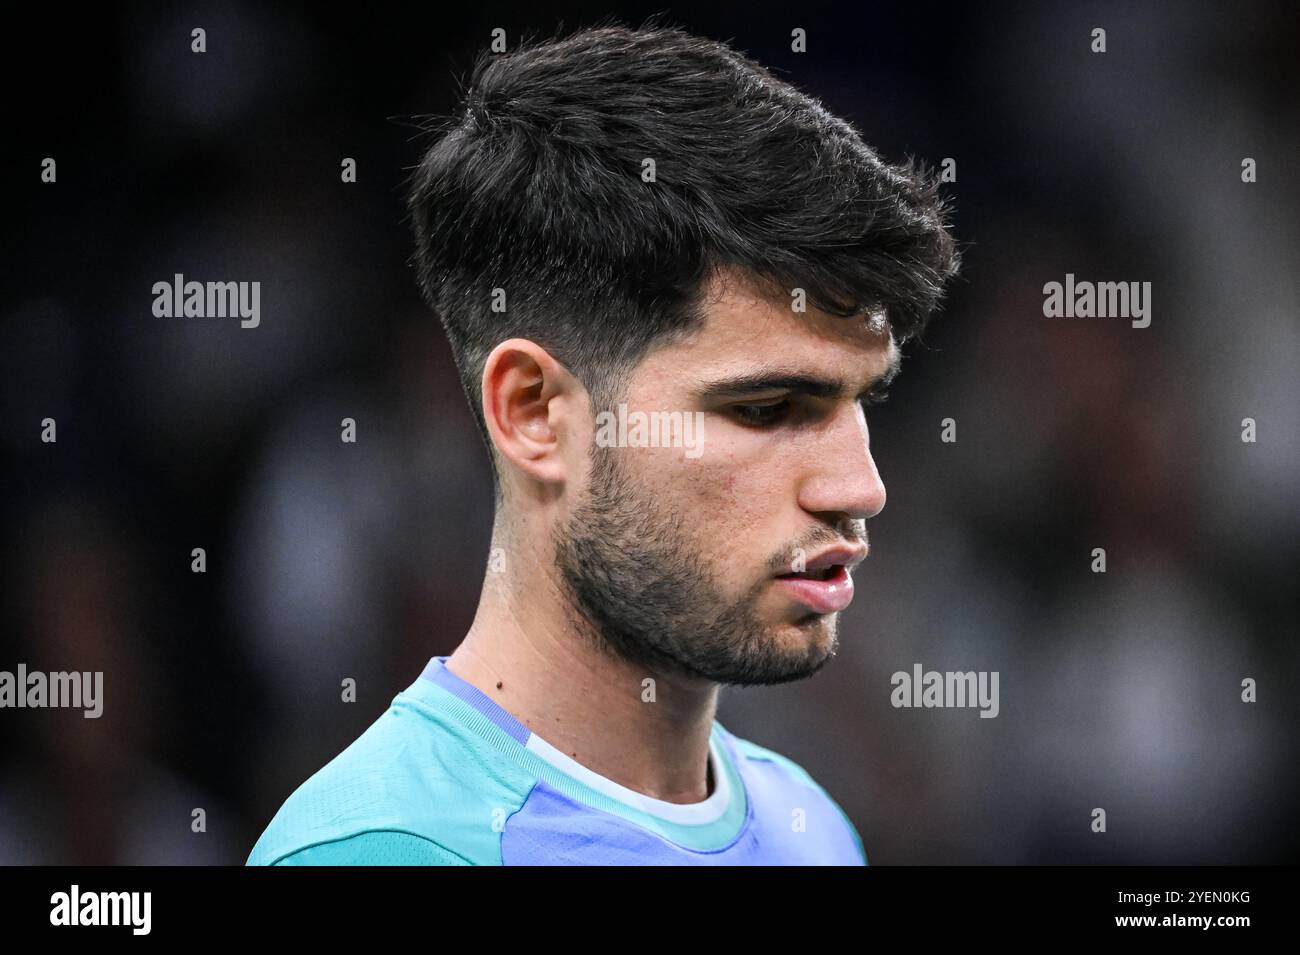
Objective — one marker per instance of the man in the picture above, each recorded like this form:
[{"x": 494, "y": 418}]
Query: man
[{"x": 670, "y": 283}]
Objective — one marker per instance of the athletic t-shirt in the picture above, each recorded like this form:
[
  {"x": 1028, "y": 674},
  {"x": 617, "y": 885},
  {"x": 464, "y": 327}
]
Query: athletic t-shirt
[{"x": 446, "y": 776}]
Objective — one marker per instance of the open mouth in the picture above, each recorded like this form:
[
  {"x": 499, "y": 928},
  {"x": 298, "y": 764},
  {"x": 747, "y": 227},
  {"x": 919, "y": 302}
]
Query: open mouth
[
  {"x": 823, "y": 573},
  {"x": 821, "y": 589}
]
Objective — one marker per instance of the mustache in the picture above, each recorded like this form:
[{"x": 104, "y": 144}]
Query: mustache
[{"x": 850, "y": 534}]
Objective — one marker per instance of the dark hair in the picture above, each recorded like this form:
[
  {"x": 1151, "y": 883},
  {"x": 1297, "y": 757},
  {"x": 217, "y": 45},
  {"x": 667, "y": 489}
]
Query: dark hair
[{"x": 535, "y": 187}]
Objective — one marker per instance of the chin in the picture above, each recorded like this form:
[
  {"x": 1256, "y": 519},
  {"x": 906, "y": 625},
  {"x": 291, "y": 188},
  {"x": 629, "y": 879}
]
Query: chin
[{"x": 811, "y": 635}]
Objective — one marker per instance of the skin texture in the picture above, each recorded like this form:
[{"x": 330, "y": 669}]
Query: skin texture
[{"x": 619, "y": 565}]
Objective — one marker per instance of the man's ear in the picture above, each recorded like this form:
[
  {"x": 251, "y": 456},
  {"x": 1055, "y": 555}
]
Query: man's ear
[{"x": 531, "y": 406}]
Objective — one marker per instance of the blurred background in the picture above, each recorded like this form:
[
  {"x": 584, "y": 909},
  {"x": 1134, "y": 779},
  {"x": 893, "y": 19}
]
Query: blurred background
[{"x": 328, "y": 560}]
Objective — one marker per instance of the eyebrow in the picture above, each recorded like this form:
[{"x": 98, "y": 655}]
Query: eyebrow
[{"x": 772, "y": 378}]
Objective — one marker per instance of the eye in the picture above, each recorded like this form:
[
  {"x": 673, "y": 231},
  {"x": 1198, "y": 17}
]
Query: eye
[
  {"x": 873, "y": 398},
  {"x": 760, "y": 415}
]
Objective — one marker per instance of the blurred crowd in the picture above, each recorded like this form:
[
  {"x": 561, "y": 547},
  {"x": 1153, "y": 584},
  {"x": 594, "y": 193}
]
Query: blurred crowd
[{"x": 328, "y": 560}]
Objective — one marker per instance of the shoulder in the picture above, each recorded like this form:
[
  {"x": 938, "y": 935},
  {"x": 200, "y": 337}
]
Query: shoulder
[
  {"x": 752, "y": 751},
  {"x": 413, "y": 789},
  {"x": 372, "y": 847},
  {"x": 770, "y": 773}
]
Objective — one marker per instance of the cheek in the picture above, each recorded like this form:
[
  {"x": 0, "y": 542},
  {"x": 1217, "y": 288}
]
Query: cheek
[{"x": 730, "y": 497}]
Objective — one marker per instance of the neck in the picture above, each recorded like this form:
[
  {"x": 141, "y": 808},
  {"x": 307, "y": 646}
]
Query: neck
[{"x": 525, "y": 652}]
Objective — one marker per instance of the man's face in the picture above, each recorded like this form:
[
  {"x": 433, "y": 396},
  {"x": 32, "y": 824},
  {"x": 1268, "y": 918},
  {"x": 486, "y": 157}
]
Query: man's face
[{"x": 682, "y": 556}]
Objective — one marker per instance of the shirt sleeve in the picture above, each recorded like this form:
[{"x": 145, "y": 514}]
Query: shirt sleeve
[
  {"x": 856, "y": 837},
  {"x": 375, "y": 848}
]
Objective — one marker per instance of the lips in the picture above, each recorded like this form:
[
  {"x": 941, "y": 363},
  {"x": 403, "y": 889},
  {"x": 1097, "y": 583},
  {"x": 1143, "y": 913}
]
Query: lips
[
  {"x": 830, "y": 595},
  {"x": 826, "y": 584}
]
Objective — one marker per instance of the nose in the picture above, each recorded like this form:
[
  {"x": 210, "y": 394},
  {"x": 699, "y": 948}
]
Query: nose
[{"x": 843, "y": 479}]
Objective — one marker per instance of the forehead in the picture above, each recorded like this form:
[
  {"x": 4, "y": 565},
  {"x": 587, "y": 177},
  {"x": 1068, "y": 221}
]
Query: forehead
[{"x": 747, "y": 324}]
